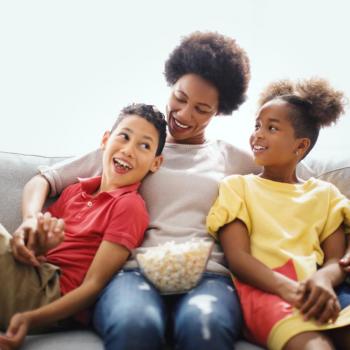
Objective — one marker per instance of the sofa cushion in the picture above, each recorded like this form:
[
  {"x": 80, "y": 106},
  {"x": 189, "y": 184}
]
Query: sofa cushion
[
  {"x": 15, "y": 170},
  {"x": 336, "y": 171},
  {"x": 68, "y": 340}
]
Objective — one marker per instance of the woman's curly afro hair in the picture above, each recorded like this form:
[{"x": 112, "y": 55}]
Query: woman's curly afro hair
[{"x": 217, "y": 59}]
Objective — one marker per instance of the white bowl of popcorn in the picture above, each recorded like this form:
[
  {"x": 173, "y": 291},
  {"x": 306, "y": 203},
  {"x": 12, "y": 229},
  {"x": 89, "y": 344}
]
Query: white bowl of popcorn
[{"x": 175, "y": 268}]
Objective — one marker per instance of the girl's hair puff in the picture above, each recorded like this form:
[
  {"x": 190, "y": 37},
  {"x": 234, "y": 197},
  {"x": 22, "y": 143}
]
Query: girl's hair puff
[{"x": 326, "y": 103}]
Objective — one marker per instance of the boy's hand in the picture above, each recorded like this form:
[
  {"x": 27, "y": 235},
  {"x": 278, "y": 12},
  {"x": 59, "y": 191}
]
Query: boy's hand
[
  {"x": 19, "y": 243},
  {"x": 320, "y": 301},
  {"x": 344, "y": 262},
  {"x": 35, "y": 236},
  {"x": 16, "y": 332}
]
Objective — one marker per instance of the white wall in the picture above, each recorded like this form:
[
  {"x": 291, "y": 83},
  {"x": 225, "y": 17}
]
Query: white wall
[{"x": 67, "y": 67}]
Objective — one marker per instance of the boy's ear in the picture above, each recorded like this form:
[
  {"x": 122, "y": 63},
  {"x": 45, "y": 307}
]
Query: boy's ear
[
  {"x": 104, "y": 140},
  {"x": 157, "y": 162}
]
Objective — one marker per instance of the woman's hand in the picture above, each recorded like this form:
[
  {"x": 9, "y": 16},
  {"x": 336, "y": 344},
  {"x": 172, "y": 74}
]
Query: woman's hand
[
  {"x": 16, "y": 332},
  {"x": 320, "y": 301},
  {"x": 50, "y": 233},
  {"x": 344, "y": 262}
]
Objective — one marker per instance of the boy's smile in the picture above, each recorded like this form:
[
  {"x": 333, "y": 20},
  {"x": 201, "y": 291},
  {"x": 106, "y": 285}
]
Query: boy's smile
[
  {"x": 129, "y": 153},
  {"x": 122, "y": 166}
]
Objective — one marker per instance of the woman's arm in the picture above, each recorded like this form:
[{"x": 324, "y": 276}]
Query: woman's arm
[
  {"x": 109, "y": 258},
  {"x": 35, "y": 192},
  {"x": 24, "y": 241},
  {"x": 345, "y": 260},
  {"x": 235, "y": 241},
  {"x": 321, "y": 301}
]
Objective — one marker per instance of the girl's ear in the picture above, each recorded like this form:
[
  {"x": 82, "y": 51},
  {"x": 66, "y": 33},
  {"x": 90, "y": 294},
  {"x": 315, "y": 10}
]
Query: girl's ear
[
  {"x": 302, "y": 146},
  {"x": 157, "y": 162},
  {"x": 104, "y": 140}
]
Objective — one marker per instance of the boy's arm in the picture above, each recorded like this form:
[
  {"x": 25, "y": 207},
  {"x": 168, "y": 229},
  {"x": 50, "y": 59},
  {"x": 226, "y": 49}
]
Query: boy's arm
[
  {"x": 321, "y": 301},
  {"x": 235, "y": 241},
  {"x": 109, "y": 258}
]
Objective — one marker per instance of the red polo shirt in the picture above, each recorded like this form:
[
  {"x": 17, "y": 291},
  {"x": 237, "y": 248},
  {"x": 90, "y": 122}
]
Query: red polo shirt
[{"x": 119, "y": 216}]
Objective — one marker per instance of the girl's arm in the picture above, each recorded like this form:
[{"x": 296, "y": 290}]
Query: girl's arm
[
  {"x": 235, "y": 241},
  {"x": 109, "y": 258},
  {"x": 321, "y": 301}
]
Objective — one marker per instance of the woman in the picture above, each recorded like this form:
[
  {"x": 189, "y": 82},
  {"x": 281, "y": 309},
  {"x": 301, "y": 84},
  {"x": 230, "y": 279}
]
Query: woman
[{"x": 208, "y": 74}]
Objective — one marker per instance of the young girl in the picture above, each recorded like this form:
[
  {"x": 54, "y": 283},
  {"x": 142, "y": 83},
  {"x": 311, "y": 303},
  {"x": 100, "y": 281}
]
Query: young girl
[{"x": 283, "y": 237}]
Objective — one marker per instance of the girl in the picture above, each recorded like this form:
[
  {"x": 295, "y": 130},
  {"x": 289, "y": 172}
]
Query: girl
[{"x": 283, "y": 237}]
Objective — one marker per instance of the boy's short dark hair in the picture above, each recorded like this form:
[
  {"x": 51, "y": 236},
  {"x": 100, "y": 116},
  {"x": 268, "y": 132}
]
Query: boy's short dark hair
[{"x": 149, "y": 113}]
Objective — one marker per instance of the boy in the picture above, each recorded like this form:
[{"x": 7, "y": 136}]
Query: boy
[{"x": 104, "y": 218}]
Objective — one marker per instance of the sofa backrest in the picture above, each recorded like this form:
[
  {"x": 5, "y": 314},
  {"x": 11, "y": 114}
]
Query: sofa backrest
[{"x": 16, "y": 169}]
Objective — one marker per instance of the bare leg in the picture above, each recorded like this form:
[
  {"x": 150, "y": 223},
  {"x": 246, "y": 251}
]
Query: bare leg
[
  {"x": 310, "y": 341},
  {"x": 340, "y": 337}
]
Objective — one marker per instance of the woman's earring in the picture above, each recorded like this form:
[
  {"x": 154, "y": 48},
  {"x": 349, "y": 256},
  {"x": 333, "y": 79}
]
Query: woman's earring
[{"x": 297, "y": 153}]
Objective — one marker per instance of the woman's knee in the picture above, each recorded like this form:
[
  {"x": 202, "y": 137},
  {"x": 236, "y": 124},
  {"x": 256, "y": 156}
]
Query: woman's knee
[
  {"x": 202, "y": 316},
  {"x": 129, "y": 316}
]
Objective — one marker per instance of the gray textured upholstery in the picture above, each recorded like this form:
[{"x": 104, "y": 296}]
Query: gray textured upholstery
[{"x": 17, "y": 169}]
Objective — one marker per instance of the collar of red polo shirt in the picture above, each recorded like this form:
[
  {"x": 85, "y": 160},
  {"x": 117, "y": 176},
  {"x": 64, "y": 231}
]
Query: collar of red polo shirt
[{"x": 91, "y": 185}]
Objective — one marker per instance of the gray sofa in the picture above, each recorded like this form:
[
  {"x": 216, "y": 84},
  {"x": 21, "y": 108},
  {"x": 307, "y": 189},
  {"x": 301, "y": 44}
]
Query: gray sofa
[{"x": 16, "y": 169}]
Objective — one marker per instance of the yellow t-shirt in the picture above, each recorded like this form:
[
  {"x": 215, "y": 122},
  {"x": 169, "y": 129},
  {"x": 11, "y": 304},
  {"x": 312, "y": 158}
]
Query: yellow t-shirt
[{"x": 284, "y": 221}]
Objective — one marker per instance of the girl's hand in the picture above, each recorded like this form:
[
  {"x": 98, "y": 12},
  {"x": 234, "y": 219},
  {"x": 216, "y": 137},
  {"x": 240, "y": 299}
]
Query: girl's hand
[
  {"x": 292, "y": 292},
  {"x": 16, "y": 332},
  {"x": 320, "y": 301}
]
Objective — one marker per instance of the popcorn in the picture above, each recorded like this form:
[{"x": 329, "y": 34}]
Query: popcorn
[{"x": 175, "y": 268}]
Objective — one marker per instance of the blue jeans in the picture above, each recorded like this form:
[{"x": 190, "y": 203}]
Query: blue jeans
[
  {"x": 343, "y": 293},
  {"x": 131, "y": 314}
]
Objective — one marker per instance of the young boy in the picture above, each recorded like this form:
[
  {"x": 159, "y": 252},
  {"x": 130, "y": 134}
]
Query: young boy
[{"x": 104, "y": 218}]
